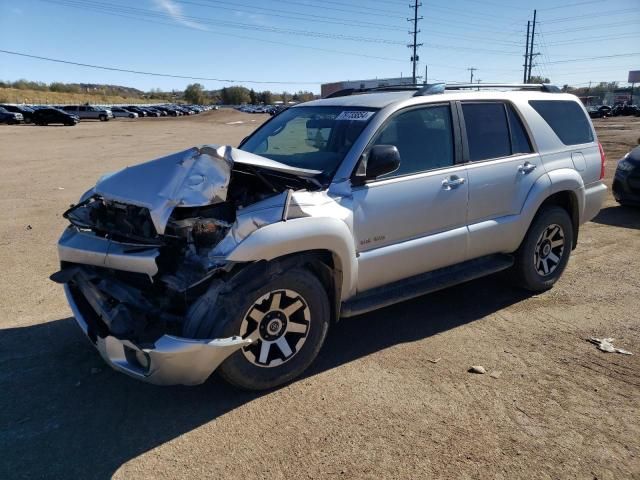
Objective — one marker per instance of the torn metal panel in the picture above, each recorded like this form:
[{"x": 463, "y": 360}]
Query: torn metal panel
[
  {"x": 84, "y": 247},
  {"x": 248, "y": 220},
  {"x": 194, "y": 177}
]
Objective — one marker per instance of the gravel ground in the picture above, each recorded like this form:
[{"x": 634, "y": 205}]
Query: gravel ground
[{"x": 389, "y": 396}]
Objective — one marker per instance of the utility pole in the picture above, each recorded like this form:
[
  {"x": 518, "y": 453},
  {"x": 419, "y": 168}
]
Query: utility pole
[
  {"x": 526, "y": 54},
  {"x": 426, "y": 78},
  {"x": 472, "y": 69},
  {"x": 415, "y": 44},
  {"x": 533, "y": 37}
]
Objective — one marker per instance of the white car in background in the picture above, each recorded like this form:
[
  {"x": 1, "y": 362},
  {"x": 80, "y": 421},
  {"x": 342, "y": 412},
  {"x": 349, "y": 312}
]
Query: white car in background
[{"x": 119, "y": 112}]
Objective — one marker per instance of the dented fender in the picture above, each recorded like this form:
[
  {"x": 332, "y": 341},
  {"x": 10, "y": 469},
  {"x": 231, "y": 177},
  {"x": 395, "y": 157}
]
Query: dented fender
[{"x": 300, "y": 235}]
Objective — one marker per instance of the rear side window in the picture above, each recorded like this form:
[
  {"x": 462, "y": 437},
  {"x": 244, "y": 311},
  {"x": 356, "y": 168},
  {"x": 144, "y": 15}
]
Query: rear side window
[
  {"x": 487, "y": 130},
  {"x": 566, "y": 119},
  {"x": 519, "y": 140}
]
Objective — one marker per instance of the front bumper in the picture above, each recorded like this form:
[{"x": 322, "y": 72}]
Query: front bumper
[
  {"x": 626, "y": 186},
  {"x": 170, "y": 361}
]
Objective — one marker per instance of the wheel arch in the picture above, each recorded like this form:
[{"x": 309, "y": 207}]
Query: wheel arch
[
  {"x": 564, "y": 188},
  {"x": 327, "y": 240}
]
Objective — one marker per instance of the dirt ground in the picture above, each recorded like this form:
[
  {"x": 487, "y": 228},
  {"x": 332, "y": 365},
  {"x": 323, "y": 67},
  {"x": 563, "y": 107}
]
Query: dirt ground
[{"x": 389, "y": 396}]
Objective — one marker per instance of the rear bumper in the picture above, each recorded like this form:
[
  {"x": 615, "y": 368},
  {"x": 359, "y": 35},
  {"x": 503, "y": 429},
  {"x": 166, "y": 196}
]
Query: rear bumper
[
  {"x": 594, "y": 196},
  {"x": 170, "y": 361}
]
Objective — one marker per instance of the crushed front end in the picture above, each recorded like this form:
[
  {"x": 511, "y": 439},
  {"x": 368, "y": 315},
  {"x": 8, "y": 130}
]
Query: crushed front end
[{"x": 143, "y": 258}]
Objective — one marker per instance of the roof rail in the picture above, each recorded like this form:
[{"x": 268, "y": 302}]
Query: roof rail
[
  {"x": 441, "y": 87},
  {"x": 385, "y": 88},
  {"x": 436, "y": 88}
]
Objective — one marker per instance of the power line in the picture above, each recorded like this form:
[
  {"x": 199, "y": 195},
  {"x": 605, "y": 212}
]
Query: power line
[
  {"x": 596, "y": 58},
  {"x": 110, "y": 7},
  {"x": 154, "y": 74},
  {"x": 270, "y": 12}
]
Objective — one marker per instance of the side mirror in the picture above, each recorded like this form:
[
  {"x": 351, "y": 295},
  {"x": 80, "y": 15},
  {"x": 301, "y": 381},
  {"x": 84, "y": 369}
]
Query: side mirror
[{"x": 380, "y": 160}]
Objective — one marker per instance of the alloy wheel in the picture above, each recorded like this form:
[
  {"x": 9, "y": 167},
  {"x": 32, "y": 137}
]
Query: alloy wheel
[
  {"x": 278, "y": 325},
  {"x": 549, "y": 250}
]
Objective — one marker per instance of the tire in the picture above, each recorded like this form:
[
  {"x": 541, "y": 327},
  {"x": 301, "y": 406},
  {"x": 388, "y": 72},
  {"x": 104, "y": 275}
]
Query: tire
[
  {"x": 290, "y": 310},
  {"x": 103, "y": 118},
  {"x": 545, "y": 251}
]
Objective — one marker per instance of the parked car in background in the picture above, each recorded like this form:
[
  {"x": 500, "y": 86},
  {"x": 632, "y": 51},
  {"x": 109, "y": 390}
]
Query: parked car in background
[
  {"x": 89, "y": 112},
  {"x": 172, "y": 112},
  {"x": 150, "y": 112},
  {"x": 599, "y": 111},
  {"x": 10, "y": 118},
  {"x": 625, "y": 110},
  {"x": 155, "y": 110},
  {"x": 27, "y": 113},
  {"x": 137, "y": 109},
  {"x": 626, "y": 181},
  {"x": 119, "y": 112},
  {"x": 239, "y": 259},
  {"x": 47, "y": 115}
]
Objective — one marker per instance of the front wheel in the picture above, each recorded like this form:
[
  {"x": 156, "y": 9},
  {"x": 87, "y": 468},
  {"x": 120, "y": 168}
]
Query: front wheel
[
  {"x": 287, "y": 319},
  {"x": 103, "y": 118},
  {"x": 545, "y": 251}
]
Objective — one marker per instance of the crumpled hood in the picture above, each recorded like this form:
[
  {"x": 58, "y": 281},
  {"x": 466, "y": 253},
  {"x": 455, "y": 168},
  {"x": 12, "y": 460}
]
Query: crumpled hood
[{"x": 195, "y": 177}]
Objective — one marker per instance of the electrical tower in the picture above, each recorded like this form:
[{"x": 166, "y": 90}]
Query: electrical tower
[
  {"x": 472, "y": 69},
  {"x": 414, "y": 46},
  {"x": 528, "y": 53}
]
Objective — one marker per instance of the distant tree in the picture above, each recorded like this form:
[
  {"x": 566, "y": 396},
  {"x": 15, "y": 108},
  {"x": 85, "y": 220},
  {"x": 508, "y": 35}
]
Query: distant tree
[
  {"x": 194, "y": 93},
  {"x": 234, "y": 95},
  {"x": 266, "y": 97},
  {"x": 253, "y": 97},
  {"x": 538, "y": 79},
  {"x": 285, "y": 97},
  {"x": 304, "y": 96}
]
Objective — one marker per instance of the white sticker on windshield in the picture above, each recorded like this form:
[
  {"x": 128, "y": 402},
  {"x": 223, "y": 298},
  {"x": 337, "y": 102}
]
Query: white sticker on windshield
[{"x": 357, "y": 115}]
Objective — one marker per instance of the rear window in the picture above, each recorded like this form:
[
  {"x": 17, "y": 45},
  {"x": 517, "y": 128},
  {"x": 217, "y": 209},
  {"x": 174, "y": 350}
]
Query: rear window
[{"x": 566, "y": 119}]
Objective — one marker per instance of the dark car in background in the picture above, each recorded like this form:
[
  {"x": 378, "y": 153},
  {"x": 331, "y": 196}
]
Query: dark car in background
[
  {"x": 599, "y": 111},
  {"x": 626, "y": 181},
  {"x": 133, "y": 108},
  {"x": 625, "y": 110},
  {"x": 46, "y": 116},
  {"x": 27, "y": 113},
  {"x": 10, "y": 118},
  {"x": 172, "y": 112}
]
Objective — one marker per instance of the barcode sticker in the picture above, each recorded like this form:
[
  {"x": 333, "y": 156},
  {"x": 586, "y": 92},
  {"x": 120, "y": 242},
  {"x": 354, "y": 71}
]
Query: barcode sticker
[{"x": 357, "y": 115}]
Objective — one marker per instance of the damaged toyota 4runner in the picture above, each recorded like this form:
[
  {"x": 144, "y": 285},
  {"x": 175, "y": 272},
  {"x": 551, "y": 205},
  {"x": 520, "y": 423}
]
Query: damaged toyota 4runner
[{"x": 238, "y": 259}]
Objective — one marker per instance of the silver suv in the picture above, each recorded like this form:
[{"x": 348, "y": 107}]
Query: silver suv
[
  {"x": 89, "y": 112},
  {"x": 239, "y": 259}
]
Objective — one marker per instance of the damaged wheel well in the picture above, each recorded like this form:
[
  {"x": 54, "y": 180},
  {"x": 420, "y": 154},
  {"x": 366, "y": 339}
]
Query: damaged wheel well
[{"x": 208, "y": 315}]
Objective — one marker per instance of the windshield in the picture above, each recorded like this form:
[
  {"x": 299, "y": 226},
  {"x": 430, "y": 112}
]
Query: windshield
[{"x": 316, "y": 138}]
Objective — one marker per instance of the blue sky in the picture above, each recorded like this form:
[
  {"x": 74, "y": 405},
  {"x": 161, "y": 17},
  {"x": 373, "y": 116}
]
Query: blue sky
[{"x": 309, "y": 42}]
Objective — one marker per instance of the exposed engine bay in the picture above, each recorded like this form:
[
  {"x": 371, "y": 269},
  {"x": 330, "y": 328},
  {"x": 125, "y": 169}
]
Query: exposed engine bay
[{"x": 141, "y": 259}]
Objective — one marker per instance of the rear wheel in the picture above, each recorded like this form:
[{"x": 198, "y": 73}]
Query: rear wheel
[
  {"x": 545, "y": 251},
  {"x": 287, "y": 320}
]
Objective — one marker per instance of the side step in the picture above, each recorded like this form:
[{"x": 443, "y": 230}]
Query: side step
[{"x": 424, "y": 283}]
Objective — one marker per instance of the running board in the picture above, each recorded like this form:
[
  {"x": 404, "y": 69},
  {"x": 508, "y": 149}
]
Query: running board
[{"x": 424, "y": 283}]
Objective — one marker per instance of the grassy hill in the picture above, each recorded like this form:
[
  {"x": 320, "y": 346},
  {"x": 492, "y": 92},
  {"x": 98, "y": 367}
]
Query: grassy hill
[{"x": 14, "y": 95}]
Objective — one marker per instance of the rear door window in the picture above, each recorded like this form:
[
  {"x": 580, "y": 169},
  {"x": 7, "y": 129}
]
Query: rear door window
[
  {"x": 487, "y": 130},
  {"x": 519, "y": 139},
  {"x": 566, "y": 118}
]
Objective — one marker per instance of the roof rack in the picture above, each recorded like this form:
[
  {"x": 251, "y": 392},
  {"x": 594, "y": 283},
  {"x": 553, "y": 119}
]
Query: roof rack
[
  {"x": 441, "y": 87},
  {"x": 436, "y": 88}
]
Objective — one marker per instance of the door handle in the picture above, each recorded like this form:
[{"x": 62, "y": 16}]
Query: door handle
[
  {"x": 526, "y": 168},
  {"x": 452, "y": 182}
]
